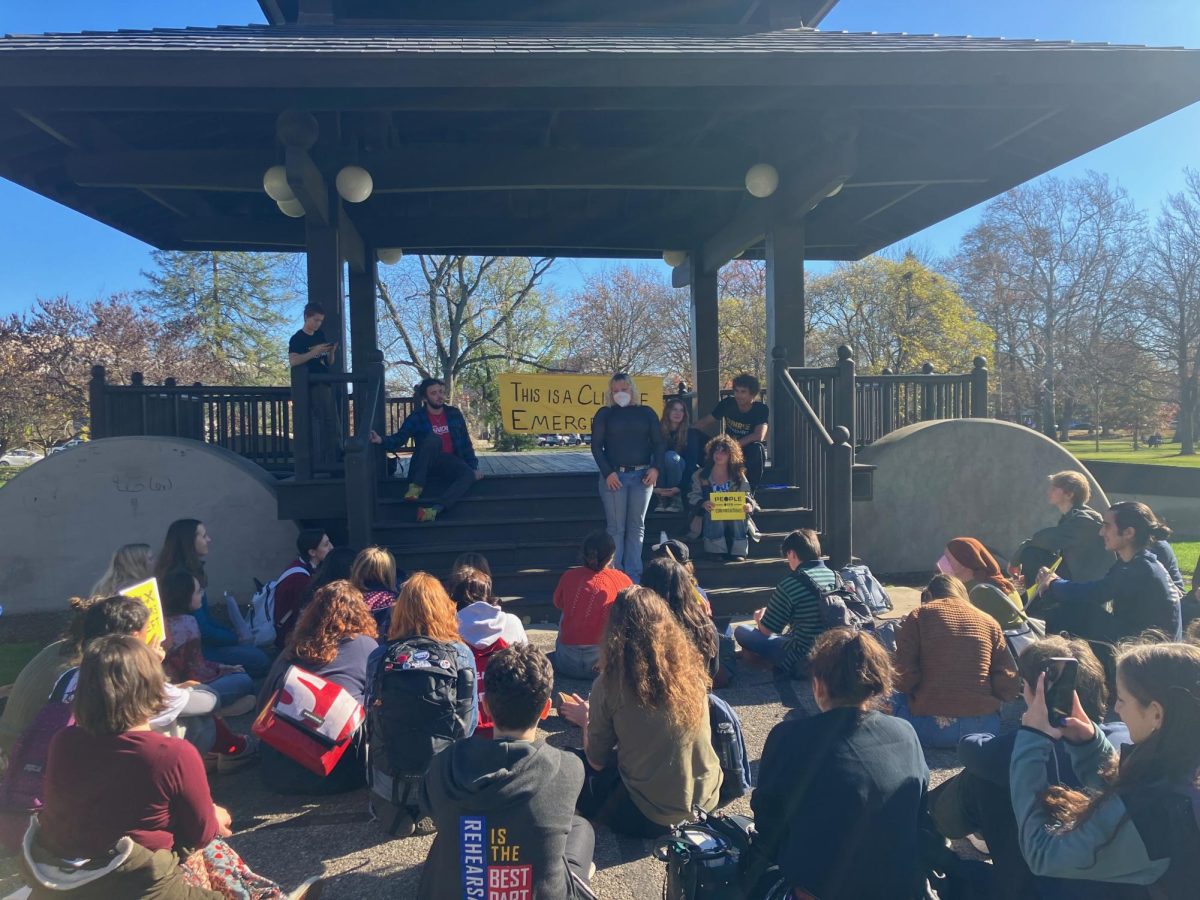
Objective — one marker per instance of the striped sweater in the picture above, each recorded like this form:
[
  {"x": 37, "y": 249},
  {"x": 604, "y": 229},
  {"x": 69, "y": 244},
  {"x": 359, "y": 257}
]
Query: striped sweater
[
  {"x": 952, "y": 660},
  {"x": 795, "y": 609}
]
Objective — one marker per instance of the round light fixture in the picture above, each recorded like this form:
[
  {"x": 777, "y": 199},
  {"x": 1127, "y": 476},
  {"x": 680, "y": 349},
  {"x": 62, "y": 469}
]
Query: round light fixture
[
  {"x": 292, "y": 208},
  {"x": 837, "y": 190},
  {"x": 276, "y": 185},
  {"x": 297, "y": 128},
  {"x": 762, "y": 180},
  {"x": 389, "y": 256},
  {"x": 354, "y": 184},
  {"x": 675, "y": 258}
]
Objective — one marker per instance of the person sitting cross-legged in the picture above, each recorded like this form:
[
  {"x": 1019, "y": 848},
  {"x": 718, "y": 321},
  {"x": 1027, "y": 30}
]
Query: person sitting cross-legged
[
  {"x": 508, "y": 803},
  {"x": 312, "y": 546},
  {"x": 953, "y": 666},
  {"x": 840, "y": 795},
  {"x": 443, "y": 449},
  {"x": 786, "y": 628}
]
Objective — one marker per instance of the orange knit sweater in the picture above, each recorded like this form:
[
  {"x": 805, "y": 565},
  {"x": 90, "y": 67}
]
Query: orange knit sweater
[{"x": 952, "y": 660}]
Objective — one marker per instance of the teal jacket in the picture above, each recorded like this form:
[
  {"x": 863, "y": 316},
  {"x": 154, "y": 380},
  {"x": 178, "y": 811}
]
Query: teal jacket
[{"x": 1107, "y": 847}]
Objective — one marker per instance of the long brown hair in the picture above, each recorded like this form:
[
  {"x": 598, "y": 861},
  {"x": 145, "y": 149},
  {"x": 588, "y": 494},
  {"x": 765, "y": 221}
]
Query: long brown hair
[
  {"x": 675, "y": 585},
  {"x": 335, "y": 614},
  {"x": 737, "y": 460},
  {"x": 1170, "y": 675},
  {"x": 121, "y": 685},
  {"x": 678, "y": 443},
  {"x": 179, "y": 551},
  {"x": 647, "y": 655},
  {"x": 424, "y": 609}
]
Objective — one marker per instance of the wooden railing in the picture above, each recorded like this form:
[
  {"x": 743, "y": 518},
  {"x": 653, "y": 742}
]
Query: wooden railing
[{"x": 822, "y": 414}]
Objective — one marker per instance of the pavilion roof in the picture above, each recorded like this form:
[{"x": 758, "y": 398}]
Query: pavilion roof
[{"x": 569, "y": 140}]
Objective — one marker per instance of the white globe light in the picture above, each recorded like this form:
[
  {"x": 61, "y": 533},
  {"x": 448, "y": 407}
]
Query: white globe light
[
  {"x": 762, "y": 180},
  {"x": 292, "y": 208},
  {"x": 276, "y": 185},
  {"x": 837, "y": 190},
  {"x": 354, "y": 184},
  {"x": 389, "y": 256},
  {"x": 674, "y": 258}
]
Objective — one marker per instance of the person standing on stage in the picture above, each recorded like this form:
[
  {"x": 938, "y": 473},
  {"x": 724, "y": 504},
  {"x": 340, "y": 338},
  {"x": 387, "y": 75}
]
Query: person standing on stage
[
  {"x": 442, "y": 448},
  {"x": 628, "y": 446},
  {"x": 309, "y": 347},
  {"x": 746, "y": 422}
]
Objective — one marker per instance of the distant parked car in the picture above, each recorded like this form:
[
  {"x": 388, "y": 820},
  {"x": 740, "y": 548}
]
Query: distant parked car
[
  {"x": 19, "y": 458},
  {"x": 573, "y": 440},
  {"x": 73, "y": 442},
  {"x": 551, "y": 440}
]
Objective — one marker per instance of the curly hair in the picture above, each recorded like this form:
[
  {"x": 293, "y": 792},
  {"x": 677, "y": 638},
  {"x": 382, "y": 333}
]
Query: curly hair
[
  {"x": 337, "y": 613},
  {"x": 423, "y": 608},
  {"x": 517, "y": 683},
  {"x": 678, "y": 443},
  {"x": 737, "y": 460},
  {"x": 647, "y": 656}
]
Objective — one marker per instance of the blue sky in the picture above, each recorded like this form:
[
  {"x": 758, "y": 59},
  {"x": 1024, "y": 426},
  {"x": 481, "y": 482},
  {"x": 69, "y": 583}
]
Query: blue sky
[{"x": 47, "y": 250}]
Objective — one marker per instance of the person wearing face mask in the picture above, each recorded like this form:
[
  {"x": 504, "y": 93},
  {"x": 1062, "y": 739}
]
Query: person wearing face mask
[
  {"x": 443, "y": 449},
  {"x": 628, "y": 446},
  {"x": 989, "y": 591}
]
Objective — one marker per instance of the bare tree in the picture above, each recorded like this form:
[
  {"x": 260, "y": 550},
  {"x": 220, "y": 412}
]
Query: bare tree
[
  {"x": 1171, "y": 300},
  {"x": 444, "y": 314}
]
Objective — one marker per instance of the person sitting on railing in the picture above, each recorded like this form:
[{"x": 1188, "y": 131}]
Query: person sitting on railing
[
  {"x": 745, "y": 419},
  {"x": 309, "y": 347},
  {"x": 443, "y": 448}
]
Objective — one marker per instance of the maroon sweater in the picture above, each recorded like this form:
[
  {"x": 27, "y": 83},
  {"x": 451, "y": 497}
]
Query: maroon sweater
[{"x": 142, "y": 784}]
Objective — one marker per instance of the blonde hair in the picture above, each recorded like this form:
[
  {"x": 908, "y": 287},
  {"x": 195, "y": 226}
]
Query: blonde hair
[
  {"x": 424, "y": 609},
  {"x": 945, "y": 587},
  {"x": 1074, "y": 484},
  {"x": 131, "y": 564},
  {"x": 374, "y": 566},
  {"x": 633, "y": 391}
]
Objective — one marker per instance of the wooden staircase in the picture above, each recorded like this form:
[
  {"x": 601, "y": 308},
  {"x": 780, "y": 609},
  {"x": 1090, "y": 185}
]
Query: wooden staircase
[{"x": 530, "y": 528}]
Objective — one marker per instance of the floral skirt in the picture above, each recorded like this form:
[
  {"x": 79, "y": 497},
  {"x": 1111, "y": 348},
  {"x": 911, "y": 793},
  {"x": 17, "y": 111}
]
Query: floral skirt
[{"x": 217, "y": 867}]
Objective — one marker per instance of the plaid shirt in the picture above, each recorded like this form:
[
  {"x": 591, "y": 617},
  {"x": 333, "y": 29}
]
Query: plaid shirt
[{"x": 417, "y": 425}]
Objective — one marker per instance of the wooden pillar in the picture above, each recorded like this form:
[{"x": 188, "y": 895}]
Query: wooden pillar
[
  {"x": 364, "y": 287},
  {"x": 706, "y": 352},
  {"x": 785, "y": 290},
  {"x": 97, "y": 405},
  {"x": 325, "y": 281}
]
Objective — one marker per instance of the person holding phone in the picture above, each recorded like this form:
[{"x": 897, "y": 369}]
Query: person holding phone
[
  {"x": 310, "y": 348},
  {"x": 1137, "y": 826}
]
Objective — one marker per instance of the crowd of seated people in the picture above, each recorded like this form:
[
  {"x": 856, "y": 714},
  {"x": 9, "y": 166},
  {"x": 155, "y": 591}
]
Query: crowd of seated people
[{"x": 1099, "y": 801}]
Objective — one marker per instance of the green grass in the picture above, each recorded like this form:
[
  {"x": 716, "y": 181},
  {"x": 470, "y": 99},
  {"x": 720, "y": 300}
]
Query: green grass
[
  {"x": 1188, "y": 552},
  {"x": 1121, "y": 450},
  {"x": 6, "y": 473},
  {"x": 13, "y": 658}
]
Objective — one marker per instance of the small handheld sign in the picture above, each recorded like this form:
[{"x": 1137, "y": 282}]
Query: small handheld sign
[
  {"x": 728, "y": 506},
  {"x": 147, "y": 593}
]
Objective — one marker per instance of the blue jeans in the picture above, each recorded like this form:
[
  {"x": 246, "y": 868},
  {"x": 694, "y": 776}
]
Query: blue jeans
[
  {"x": 771, "y": 647},
  {"x": 672, "y": 476},
  {"x": 943, "y": 736},
  {"x": 253, "y": 660},
  {"x": 231, "y": 688},
  {"x": 725, "y": 537},
  {"x": 625, "y": 510}
]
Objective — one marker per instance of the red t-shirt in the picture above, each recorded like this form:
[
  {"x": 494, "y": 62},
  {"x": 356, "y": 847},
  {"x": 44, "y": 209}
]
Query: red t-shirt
[
  {"x": 584, "y": 597},
  {"x": 140, "y": 783},
  {"x": 441, "y": 429}
]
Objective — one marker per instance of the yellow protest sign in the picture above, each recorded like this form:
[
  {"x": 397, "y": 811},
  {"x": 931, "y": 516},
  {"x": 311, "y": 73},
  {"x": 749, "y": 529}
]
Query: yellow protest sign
[
  {"x": 728, "y": 506},
  {"x": 550, "y": 404},
  {"x": 147, "y": 592}
]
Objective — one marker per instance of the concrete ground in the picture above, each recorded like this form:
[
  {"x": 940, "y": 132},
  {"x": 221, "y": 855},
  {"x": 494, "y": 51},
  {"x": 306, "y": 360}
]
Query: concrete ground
[{"x": 289, "y": 839}]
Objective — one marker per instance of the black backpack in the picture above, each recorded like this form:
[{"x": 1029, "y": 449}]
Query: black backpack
[
  {"x": 420, "y": 702},
  {"x": 710, "y": 859},
  {"x": 840, "y": 605}
]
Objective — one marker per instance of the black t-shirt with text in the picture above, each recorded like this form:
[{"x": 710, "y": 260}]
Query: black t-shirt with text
[
  {"x": 302, "y": 342},
  {"x": 738, "y": 424}
]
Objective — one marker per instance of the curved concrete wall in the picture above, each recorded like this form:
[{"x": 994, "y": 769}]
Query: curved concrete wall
[
  {"x": 935, "y": 481},
  {"x": 62, "y": 518}
]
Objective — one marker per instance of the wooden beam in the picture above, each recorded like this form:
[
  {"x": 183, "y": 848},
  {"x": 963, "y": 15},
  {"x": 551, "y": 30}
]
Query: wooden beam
[
  {"x": 307, "y": 183},
  {"x": 706, "y": 345},
  {"x": 800, "y": 189},
  {"x": 359, "y": 257},
  {"x": 425, "y": 168}
]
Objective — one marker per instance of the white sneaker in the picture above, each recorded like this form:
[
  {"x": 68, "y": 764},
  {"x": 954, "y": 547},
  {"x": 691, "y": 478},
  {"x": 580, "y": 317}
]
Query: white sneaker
[{"x": 979, "y": 844}]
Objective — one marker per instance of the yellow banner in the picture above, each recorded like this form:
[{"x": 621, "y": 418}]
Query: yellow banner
[
  {"x": 553, "y": 404},
  {"x": 728, "y": 506},
  {"x": 147, "y": 592}
]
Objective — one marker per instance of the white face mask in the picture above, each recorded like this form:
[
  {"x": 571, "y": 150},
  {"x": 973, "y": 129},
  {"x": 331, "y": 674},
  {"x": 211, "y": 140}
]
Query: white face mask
[{"x": 622, "y": 398}]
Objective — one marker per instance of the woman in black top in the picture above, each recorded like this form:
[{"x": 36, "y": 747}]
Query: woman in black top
[{"x": 627, "y": 444}]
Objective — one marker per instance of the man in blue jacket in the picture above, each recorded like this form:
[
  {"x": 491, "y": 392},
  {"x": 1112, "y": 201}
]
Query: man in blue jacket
[{"x": 442, "y": 449}]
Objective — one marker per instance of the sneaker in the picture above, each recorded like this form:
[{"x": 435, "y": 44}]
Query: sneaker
[
  {"x": 673, "y": 505},
  {"x": 752, "y": 531},
  {"x": 413, "y": 494},
  {"x": 425, "y": 826},
  {"x": 979, "y": 844},
  {"x": 309, "y": 890},
  {"x": 427, "y": 513},
  {"x": 228, "y": 763},
  {"x": 238, "y": 707}
]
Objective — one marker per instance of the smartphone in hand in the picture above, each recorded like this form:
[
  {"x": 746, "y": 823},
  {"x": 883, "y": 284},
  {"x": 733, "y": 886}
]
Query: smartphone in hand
[{"x": 1061, "y": 672}]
